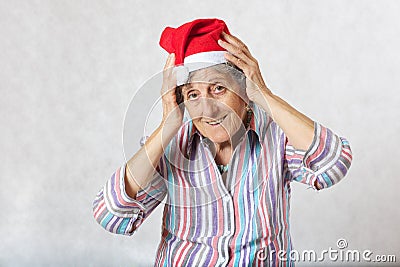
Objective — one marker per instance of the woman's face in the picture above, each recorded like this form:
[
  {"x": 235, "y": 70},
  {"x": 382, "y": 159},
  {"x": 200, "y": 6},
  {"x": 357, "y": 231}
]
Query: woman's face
[{"x": 213, "y": 102}]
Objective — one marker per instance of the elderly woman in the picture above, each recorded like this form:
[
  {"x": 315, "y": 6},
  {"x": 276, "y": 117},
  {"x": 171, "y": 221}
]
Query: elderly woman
[{"x": 226, "y": 172}]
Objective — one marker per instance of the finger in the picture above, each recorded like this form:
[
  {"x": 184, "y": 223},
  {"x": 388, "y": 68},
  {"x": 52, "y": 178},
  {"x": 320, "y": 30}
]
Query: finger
[
  {"x": 168, "y": 91},
  {"x": 169, "y": 85},
  {"x": 168, "y": 67},
  {"x": 169, "y": 79},
  {"x": 170, "y": 61},
  {"x": 237, "y": 52},
  {"x": 236, "y": 42},
  {"x": 236, "y": 61}
]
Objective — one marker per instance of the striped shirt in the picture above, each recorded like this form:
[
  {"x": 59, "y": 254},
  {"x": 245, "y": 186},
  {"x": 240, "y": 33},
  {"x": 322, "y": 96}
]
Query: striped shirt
[{"x": 241, "y": 220}]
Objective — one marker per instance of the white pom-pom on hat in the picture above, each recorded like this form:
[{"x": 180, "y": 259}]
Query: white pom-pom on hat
[{"x": 182, "y": 74}]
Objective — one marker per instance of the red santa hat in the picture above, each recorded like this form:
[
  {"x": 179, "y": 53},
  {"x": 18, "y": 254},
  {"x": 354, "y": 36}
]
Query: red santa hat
[{"x": 195, "y": 45}]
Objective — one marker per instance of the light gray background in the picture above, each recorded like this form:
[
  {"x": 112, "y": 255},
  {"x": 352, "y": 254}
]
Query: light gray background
[{"x": 69, "y": 69}]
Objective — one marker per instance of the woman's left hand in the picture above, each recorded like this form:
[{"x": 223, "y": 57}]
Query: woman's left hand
[{"x": 240, "y": 56}]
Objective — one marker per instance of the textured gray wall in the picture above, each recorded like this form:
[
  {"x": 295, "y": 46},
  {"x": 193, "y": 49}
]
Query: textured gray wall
[{"x": 68, "y": 71}]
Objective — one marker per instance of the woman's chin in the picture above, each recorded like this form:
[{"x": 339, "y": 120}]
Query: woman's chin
[{"x": 217, "y": 135}]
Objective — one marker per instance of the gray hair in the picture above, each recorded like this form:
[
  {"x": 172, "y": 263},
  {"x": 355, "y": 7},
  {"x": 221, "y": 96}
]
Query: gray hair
[{"x": 230, "y": 69}]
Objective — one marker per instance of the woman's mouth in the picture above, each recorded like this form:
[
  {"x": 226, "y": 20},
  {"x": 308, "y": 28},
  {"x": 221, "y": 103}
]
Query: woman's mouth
[{"x": 216, "y": 122}]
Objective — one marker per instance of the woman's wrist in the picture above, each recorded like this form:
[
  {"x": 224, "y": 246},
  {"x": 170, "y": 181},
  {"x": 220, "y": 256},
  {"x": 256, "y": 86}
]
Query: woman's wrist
[
  {"x": 167, "y": 131},
  {"x": 263, "y": 99}
]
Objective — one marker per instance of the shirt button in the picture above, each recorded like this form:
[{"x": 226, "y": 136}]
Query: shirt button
[{"x": 143, "y": 140}]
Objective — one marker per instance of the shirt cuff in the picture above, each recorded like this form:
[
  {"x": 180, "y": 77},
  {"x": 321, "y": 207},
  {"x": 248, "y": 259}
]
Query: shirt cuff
[
  {"x": 117, "y": 200},
  {"x": 324, "y": 150}
]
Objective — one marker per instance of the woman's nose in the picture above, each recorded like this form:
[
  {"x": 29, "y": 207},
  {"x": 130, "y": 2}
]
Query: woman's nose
[{"x": 209, "y": 107}]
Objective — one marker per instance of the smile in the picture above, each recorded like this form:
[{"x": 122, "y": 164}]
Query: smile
[{"x": 216, "y": 122}]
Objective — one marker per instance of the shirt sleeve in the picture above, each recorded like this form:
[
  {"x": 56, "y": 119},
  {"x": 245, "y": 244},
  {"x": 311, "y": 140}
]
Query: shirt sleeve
[
  {"x": 118, "y": 213},
  {"x": 324, "y": 164}
]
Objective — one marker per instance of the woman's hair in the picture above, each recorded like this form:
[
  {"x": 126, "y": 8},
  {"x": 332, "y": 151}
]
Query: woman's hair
[{"x": 225, "y": 68}]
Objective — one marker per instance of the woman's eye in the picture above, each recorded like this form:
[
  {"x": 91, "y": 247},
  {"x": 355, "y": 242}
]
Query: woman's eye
[
  {"x": 192, "y": 96},
  {"x": 219, "y": 89}
]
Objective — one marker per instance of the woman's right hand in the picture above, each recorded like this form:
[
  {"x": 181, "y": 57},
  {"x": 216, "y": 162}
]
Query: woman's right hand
[{"x": 172, "y": 112}]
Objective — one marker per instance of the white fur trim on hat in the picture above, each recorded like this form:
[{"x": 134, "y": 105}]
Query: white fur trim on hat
[
  {"x": 215, "y": 57},
  {"x": 196, "y": 62}
]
